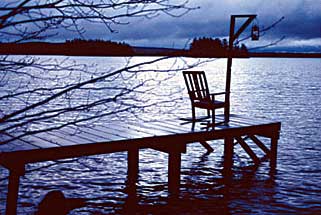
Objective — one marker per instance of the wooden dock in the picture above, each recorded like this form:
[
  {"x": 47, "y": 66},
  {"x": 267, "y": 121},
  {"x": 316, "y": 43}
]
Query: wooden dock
[{"x": 171, "y": 135}]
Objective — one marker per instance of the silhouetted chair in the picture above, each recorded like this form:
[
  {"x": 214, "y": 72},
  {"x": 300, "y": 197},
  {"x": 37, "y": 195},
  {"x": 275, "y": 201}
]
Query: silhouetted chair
[{"x": 199, "y": 93}]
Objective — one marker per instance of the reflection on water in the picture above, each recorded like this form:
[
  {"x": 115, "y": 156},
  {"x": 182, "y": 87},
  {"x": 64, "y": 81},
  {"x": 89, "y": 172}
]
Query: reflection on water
[{"x": 286, "y": 90}]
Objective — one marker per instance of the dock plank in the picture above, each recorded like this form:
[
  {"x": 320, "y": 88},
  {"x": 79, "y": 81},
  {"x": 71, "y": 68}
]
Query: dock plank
[
  {"x": 123, "y": 132},
  {"x": 156, "y": 129},
  {"x": 106, "y": 133},
  {"x": 167, "y": 127},
  {"x": 39, "y": 142},
  {"x": 161, "y": 131},
  {"x": 54, "y": 138},
  {"x": 80, "y": 136},
  {"x": 17, "y": 144},
  {"x": 82, "y": 133},
  {"x": 131, "y": 129}
]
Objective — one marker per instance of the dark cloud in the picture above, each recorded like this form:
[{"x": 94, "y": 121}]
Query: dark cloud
[
  {"x": 302, "y": 22},
  {"x": 301, "y": 26}
]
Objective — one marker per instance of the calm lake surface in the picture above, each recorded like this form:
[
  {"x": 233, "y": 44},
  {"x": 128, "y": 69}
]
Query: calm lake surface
[{"x": 285, "y": 90}]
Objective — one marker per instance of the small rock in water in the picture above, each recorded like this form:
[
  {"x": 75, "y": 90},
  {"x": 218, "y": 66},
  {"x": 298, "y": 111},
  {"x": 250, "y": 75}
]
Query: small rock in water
[{"x": 55, "y": 203}]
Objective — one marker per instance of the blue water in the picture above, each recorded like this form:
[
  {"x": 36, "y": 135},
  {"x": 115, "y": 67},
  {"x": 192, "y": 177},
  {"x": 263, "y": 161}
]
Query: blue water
[{"x": 285, "y": 90}]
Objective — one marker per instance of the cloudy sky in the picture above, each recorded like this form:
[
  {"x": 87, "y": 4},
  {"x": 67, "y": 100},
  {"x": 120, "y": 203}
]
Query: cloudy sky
[{"x": 301, "y": 26}]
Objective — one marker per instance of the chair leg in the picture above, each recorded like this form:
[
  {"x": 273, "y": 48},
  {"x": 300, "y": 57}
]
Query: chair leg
[
  {"x": 208, "y": 113},
  {"x": 213, "y": 116},
  {"x": 193, "y": 112},
  {"x": 226, "y": 115}
]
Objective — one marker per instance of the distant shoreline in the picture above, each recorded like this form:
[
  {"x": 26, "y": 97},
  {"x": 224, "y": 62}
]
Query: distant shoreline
[
  {"x": 36, "y": 48},
  {"x": 284, "y": 55}
]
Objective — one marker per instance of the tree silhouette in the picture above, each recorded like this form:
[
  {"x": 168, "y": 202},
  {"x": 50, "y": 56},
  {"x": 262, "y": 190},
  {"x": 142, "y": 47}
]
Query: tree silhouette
[
  {"x": 42, "y": 94},
  {"x": 209, "y": 47},
  {"x": 97, "y": 47},
  {"x": 206, "y": 45}
]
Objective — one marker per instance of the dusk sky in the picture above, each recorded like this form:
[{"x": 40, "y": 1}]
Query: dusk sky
[{"x": 301, "y": 26}]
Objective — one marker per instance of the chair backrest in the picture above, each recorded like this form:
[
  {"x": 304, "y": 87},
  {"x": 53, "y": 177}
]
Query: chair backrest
[{"x": 196, "y": 85}]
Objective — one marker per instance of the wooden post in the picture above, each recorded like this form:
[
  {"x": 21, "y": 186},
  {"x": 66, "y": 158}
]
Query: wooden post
[
  {"x": 273, "y": 153},
  {"x": 132, "y": 164},
  {"x": 248, "y": 150},
  {"x": 232, "y": 37},
  {"x": 260, "y": 144},
  {"x": 228, "y": 71},
  {"x": 13, "y": 190},
  {"x": 228, "y": 155},
  {"x": 207, "y": 146},
  {"x": 174, "y": 172},
  {"x": 131, "y": 201}
]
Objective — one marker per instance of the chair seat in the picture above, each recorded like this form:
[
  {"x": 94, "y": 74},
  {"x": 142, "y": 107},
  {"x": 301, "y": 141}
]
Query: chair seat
[{"x": 209, "y": 104}]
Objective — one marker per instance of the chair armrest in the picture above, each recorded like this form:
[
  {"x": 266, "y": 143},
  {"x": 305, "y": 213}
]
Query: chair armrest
[
  {"x": 216, "y": 94},
  {"x": 220, "y": 93}
]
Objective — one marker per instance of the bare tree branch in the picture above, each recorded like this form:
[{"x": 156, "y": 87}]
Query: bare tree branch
[
  {"x": 40, "y": 94},
  {"x": 264, "y": 30},
  {"x": 273, "y": 43},
  {"x": 35, "y": 19}
]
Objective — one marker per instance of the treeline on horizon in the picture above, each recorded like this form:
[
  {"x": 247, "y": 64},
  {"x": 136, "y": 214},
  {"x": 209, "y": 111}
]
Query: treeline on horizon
[
  {"x": 199, "y": 47},
  {"x": 99, "y": 47},
  {"x": 70, "y": 47},
  {"x": 214, "y": 47}
]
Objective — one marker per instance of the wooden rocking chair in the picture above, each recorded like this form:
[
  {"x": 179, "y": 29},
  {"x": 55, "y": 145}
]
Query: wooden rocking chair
[{"x": 199, "y": 94}]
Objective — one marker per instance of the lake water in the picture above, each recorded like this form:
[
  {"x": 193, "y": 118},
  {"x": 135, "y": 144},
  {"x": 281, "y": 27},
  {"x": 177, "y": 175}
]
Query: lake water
[{"x": 285, "y": 90}]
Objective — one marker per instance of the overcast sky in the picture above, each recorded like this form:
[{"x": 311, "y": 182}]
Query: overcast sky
[
  {"x": 301, "y": 26},
  {"x": 302, "y": 23}
]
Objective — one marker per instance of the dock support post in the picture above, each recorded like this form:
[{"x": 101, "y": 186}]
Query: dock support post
[
  {"x": 228, "y": 155},
  {"x": 248, "y": 150},
  {"x": 273, "y": 153},
  {"x": 131, "y": 201},
  {"x": 260, "y": 144},
  {"x": 174, "y": 172},
  {"x": 132, "y": 164},
  {"x": 207, "y": 146},
  {"x": 13, "y": 190}
]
